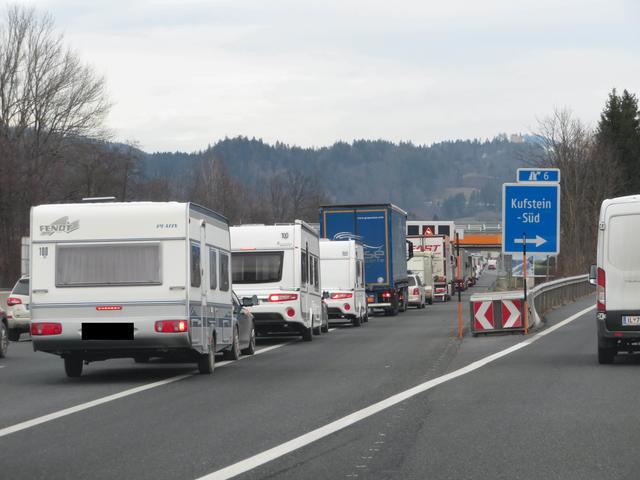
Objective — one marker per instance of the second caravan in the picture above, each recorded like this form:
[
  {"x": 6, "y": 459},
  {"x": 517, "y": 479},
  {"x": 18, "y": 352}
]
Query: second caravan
[
  {"x": 342, "y": 269},
  {"x": 280, "y": 264}
]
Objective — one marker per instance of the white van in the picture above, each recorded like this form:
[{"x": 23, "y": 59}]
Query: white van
[
  {"x": 421, "y": 264},
  {"x": 342, "y": 269},
  {"x": 280, "y": 264},
  {"x": 617, "y": 276},
  {"x": 139, "y": 280}
]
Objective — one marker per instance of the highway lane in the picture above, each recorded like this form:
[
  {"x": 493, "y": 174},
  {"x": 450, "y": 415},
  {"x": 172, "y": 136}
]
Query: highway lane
[
  {"x": 547, "y": 410},
  {"x": 199, "y": 424}
]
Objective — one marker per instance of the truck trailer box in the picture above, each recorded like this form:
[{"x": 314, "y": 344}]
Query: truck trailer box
[{"x": 381, "y": 229}]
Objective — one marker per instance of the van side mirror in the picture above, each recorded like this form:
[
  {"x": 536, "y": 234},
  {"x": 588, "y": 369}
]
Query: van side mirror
[
  {"x": 593, "y": 274},
  {"x": 325, "y": 295}
]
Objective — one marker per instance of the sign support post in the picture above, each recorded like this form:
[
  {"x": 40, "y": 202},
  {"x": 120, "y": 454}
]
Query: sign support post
[
  {"x": 524, "y": 282},
  {"x": 459, "y": 287}
]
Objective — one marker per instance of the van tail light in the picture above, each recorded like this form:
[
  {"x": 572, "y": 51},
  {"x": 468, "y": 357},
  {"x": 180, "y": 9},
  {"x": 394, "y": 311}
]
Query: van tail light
[
  {"x": 11, "y": 301},
  {"x": 172, "y": 326},
  {"x": 340, "y": 296},
  {"x": 46, "y": 328},
  {"x": 416, "y": 291},
  {"x": 283, "y": 297},
  {"x": 601, "y": 291}
]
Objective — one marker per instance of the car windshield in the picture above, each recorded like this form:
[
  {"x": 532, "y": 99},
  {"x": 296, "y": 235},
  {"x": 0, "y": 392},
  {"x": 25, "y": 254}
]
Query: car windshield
[
  {"x": 412, "y": 281},
  {"x": 21, "y": 287}
]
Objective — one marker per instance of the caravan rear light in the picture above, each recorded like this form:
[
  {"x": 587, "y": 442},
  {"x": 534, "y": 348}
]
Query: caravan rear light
[
  {"x": 416, "y": 291},
  {"x": 347, "y": 307},
  {"x": 11, "y": 301},
  {"x": 601, "y": 291},
  {"x": 291, "y": 312},
  {"x": 340, "y": 296},
  {"x": 105, "y": 308},
  {"x": 172, "y": 326},
  {"x": 283, "y": 297},
  {"x": 46, "y": 328}
]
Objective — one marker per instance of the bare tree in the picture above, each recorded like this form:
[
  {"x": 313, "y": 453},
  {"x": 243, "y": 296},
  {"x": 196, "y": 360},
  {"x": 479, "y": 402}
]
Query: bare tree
[
  {"x": 589, "y": 175},
  {"x": 48, "y": 99}
]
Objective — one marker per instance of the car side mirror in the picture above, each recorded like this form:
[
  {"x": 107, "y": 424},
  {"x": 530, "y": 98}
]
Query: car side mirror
[
  {"x": 593, "y": 274},
  {"x": 250, "y": 301},
  {"x": 325, "y": 295}
]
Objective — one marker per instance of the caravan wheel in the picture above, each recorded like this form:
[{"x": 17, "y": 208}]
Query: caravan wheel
[
  {"x": 307, "y": 334},
  {"x": 73, "y": 366}
]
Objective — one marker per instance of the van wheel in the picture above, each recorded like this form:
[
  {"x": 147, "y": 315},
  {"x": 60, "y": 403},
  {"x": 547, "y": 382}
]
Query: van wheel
[
  {"x": 234, "y": 351},
  {"x": 4, "y": 339},
  {"x": 606, "y": 355},
  {"x": 251, "y": 349},
  {"x": 357, "y": 321},
  {"x": 307, "y": 334},
  {"x": 73, "y": 366}
]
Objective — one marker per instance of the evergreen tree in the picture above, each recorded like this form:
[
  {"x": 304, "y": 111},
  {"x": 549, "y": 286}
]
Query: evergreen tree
[{"x": 619, "y": 133}]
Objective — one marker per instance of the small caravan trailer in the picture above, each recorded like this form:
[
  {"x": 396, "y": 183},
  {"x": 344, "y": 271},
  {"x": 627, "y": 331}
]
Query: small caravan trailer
[
  {"x": 342, "y": 268},
  {"x": 138, "y": 279},
  {"x": 280, "y": 265}
]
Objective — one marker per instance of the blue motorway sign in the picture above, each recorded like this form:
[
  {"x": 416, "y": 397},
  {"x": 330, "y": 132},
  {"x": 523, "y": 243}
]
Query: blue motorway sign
[
  {"x": 531, "y": 213},
  {"x": 539, "y": 175}
]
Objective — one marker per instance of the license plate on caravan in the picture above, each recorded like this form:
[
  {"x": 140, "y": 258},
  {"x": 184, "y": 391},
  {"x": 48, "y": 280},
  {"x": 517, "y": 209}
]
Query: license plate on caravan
[{"x": 630, "y": 320}]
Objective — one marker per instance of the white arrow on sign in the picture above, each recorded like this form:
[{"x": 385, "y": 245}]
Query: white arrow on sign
[{"x": 538, "y": 240}]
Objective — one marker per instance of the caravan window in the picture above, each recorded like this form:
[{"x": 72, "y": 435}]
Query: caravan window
[
  {"x": 303, "y": 267},
  {"x": 316, "y": 276},
  {"x": 257, "y": 267},
  {"x": 213, "y": 269},
  {"x": 224, "y": 272},
  {"x": 108, "y": 264},
  {"x": 195, "y": 266}
]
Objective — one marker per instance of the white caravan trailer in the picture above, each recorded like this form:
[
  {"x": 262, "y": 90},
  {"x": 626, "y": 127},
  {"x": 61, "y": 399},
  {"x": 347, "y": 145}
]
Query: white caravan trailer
[
  {"x": 137, "y": 279},
  {"x": 421, "y": 264},
  {"x": 280, "y": 264},
  {"x": 617, "y": 276},
  {"x": 342, "y": 270}
]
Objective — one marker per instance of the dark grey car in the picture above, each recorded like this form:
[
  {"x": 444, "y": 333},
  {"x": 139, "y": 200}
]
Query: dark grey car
[{"x": 244, "y": 335}]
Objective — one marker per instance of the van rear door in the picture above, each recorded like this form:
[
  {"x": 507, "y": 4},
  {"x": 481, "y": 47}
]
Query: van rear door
[{"x": 621, "y": 263}]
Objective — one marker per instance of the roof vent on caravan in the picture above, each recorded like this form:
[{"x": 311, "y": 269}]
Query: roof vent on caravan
[{"x": 99, "y": 199}]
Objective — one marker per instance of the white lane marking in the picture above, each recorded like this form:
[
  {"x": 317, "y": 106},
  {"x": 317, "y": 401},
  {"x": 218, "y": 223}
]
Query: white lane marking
[
  {"x": 250, "y": 463},
  {"x": 110, "y": 398}
]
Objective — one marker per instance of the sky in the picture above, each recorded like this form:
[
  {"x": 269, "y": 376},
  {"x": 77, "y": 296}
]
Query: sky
[{"x": 183, "y": 74}]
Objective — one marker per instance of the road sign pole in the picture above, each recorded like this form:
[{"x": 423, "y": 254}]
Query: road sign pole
[
  {"x": 524, "y": 276},
  {"x": 459, "y": 287}
]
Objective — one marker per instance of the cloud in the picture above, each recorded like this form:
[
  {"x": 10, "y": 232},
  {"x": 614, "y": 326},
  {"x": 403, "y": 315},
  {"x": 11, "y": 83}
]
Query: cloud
[{"x": 183, "y": 74}]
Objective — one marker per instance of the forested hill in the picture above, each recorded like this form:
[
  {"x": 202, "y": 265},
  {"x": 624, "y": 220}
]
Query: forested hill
[{"x": 449, "y": 179}]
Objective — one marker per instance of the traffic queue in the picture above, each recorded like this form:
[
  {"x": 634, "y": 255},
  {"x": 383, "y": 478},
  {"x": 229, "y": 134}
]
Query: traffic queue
[{"x": 174, "y": 280}]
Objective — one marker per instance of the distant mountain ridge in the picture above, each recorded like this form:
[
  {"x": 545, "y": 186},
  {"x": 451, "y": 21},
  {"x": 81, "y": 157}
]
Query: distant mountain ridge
[{"x": 450, "y": 179}]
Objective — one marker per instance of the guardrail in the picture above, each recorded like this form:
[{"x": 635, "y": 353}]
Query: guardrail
[{"x": 550, "y": 295}]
